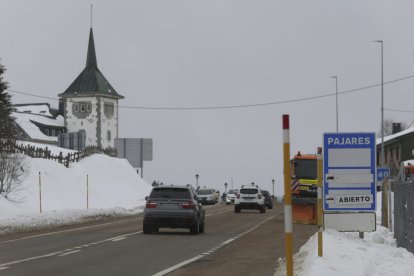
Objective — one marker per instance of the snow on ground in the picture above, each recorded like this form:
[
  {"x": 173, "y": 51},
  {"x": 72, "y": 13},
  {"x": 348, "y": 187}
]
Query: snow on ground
[
  {"x": 110, "y": 187},
  {"x": 344, "y": 253}
]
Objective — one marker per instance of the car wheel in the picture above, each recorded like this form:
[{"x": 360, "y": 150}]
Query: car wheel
[
  {"x": 271, "y": 207},
  {"x": 236, "y": 209},
  {"x": 263, "y": 210},
  {"x": 202, "y": 226},
  {"x": 195, "y": 228},
  {"x": 147, "y": 228}
]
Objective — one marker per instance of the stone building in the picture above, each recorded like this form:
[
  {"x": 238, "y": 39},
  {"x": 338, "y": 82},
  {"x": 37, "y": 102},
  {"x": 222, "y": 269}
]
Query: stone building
[{"x": 90, "y": 104}]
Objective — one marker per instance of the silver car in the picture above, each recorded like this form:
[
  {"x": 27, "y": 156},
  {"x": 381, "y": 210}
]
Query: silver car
[{"x": 231, "y": 196}]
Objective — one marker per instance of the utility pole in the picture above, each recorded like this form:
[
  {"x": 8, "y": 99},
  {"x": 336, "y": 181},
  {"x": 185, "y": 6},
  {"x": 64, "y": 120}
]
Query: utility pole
[{"x": 336, "y": 97}]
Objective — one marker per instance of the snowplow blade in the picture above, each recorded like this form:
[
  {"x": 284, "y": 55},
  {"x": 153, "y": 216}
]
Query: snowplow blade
[{"x": 304, "y": 210}]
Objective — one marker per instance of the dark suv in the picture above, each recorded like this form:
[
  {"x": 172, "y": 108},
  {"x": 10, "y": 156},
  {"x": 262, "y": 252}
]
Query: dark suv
[
  {"x": 173, "y": 207},
  {"x": 268, "y": 199}
]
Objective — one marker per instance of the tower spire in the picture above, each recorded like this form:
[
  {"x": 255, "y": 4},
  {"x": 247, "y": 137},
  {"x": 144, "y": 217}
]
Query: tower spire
[
  {"x": 91, "y": 57},
  {"x": 91, "y": 16}
]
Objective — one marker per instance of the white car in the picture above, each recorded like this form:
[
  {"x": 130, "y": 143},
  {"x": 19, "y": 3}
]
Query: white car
[
  {"x": 249, "y": 197},
  {"x": 207, "y": 196},
  {"x": 231, "y": 196}
]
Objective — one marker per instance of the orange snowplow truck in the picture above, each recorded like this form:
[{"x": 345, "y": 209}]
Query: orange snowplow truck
[
  {"x": 304, "y": 188},
  {"x": 304, "y": 175}
]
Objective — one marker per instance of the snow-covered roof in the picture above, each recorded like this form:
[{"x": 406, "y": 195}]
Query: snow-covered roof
[
  {"x": 34, "y": 109},
  {"x": 396, "y": 135},
  {"x": 26, "y": 115}
]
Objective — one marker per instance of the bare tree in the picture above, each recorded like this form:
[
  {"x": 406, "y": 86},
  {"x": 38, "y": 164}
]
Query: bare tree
[{"x": 13, "y": 170}]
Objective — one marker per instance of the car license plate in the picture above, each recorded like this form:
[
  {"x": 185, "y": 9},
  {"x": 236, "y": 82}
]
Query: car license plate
[{"x": 169, "y": 205}]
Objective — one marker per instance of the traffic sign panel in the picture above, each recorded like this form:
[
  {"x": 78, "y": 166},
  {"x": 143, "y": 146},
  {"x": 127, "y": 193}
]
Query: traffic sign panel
[
  {"x": 382, "y": 173},
  {"x": 349, "y": 172}
]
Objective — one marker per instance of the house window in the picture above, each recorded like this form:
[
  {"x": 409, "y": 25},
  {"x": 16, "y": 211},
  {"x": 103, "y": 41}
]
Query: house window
[
  {"x": 76, "y": 107},
  {"x": 82, "y": 108},
  {"x": 89, "y": 107},
  {"x": 53, "y": 132},
  {"x": 47, "y": 132},
  {"x": 109, "y": 109},
  {"x": 108, "y": 134}
]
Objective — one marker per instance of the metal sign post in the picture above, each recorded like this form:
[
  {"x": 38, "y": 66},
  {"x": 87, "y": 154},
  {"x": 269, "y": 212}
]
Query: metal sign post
[
  {"x": 349, "y": 181},
  {"x": 383, "y": 175},
  {"x": 135, "y": 150}
]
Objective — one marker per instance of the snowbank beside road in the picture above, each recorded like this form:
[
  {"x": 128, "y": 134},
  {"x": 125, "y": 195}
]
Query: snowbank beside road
[
  {"x": 344, "y": 253},
  {"x": 108, "y": 186}
]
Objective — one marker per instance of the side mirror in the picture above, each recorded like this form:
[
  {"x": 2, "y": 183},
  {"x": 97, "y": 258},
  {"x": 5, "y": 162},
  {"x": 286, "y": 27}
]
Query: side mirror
[{"x": 146, "y": 198}]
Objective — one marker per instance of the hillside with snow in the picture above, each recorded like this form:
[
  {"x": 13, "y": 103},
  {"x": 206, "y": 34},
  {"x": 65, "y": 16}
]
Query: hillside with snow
[{"x": 95, "y": 187}]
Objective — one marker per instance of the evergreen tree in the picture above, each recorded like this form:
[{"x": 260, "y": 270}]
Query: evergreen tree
[{"x": 7, "y": 127}]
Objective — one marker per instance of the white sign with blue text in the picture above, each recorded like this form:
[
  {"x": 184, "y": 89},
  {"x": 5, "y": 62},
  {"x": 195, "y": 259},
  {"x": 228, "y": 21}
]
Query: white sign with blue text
[{"x": 349, "y": 172}]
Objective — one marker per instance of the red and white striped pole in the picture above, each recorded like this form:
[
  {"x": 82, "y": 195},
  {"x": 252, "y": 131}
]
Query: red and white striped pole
[{"x": 288, "y": 197}]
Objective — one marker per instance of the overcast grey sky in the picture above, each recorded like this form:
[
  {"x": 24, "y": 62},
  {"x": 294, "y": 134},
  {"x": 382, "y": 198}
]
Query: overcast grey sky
[{"x": 220, "y": 53}]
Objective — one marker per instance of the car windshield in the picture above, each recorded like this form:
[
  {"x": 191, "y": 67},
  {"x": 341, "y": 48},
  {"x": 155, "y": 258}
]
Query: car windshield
[
  {"x": 232, "y": 191},
  {"x": 179, "y": 193},
  {"x": 265, "y": 193},
  {"x": 204, "y": 192},
  {"x": 305, "y": 169},
  {"x": 248, "y": 191}
]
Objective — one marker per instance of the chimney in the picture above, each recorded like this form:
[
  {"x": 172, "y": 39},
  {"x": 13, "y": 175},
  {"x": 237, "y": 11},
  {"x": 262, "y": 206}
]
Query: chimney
[
  {"x": 396, "y": 127},
  {"x": 61, "y": 107}
]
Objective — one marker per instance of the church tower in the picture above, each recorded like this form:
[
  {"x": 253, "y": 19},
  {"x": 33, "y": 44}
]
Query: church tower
[{"x": 90, "y": 104}]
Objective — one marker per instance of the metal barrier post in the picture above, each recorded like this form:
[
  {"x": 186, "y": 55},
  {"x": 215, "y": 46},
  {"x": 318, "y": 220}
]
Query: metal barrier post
[
  {"x": 288, "y": 198},
  {"x": 319, "y": 204}
]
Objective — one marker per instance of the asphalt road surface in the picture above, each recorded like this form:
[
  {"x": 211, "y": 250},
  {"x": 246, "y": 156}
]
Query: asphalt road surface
[{"x": 247, "y": 243}]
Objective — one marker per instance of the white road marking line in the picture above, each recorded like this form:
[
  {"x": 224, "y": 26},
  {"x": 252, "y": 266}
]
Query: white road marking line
[
  {"x": 32, "y": 258},
  {"x": 119, "y": 239},
  {"x": 2, "y": 268},
  {"x": 218, "y": 213},
  {"x": 63, "y": 231},
  {"x": 68, "y": 253},
  {"x": 196, "y": 258},
  {"x": 177, "y": 266},
  {"x": 66, "y": 250}
]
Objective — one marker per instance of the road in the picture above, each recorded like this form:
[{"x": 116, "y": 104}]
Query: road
[{"x": 248, "y": 243}]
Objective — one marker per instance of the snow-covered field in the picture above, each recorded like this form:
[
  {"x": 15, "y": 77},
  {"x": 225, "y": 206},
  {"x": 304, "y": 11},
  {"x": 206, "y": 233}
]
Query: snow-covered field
[{"x": 96, "y": 187}]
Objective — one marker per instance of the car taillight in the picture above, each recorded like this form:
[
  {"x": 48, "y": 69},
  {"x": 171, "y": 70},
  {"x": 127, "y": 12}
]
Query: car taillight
[
  {"x": 259, "y": 196},
  {"x": 187, "y": 205},
  {"x": 151, "y": 204},
  {"x": 238, "y": 195}
]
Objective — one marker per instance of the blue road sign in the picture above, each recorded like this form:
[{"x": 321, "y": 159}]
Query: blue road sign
[
  {"x": 349, "y": 172},
  {"x": 382, "y": 173}
]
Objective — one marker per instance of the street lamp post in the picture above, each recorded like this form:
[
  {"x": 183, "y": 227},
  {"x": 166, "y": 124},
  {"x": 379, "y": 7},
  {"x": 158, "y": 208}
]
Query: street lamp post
[
  {"x": 382, "y": 155},
  {"x": 197, "y": 176},
  {"x": 225, "y": 188},
  {"x": 273, "y": 187},
  {"x": 384, "y": 207},
  {"x": 336, "y": 97}
]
